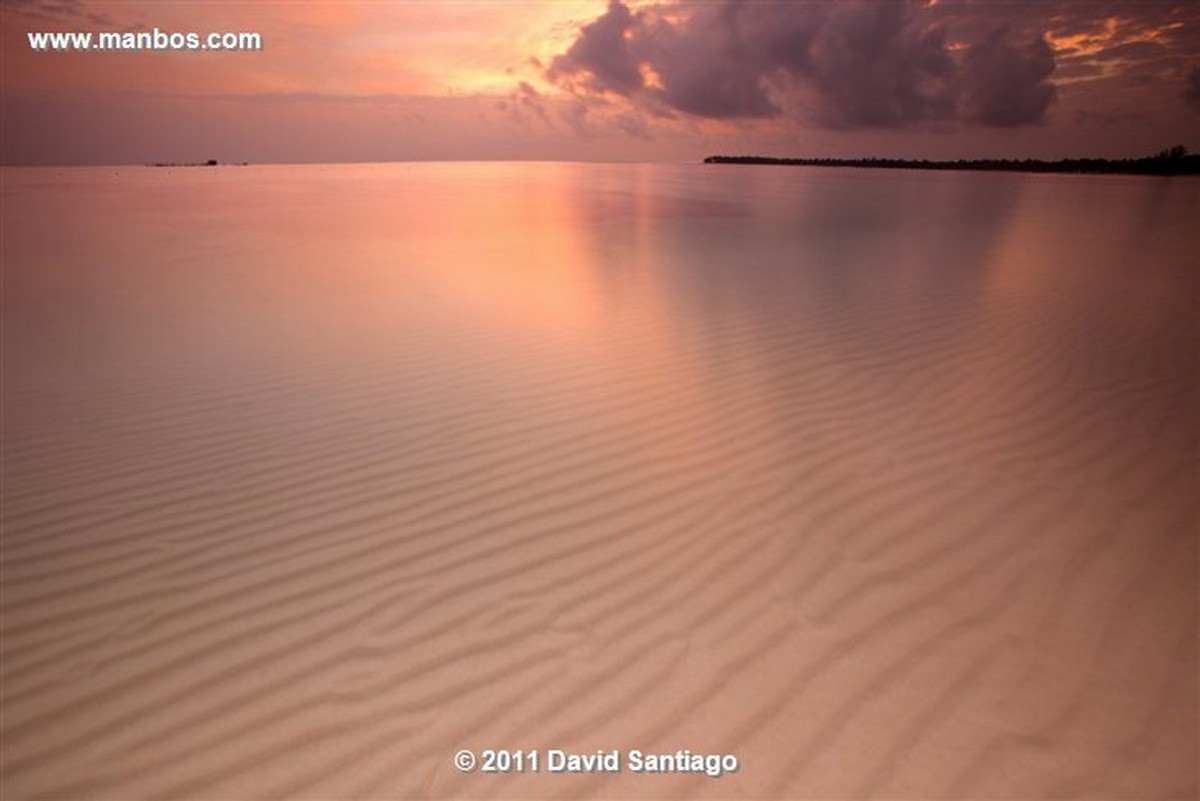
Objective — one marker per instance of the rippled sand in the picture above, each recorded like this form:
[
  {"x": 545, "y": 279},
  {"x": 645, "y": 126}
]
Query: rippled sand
[{"x": 885, "y": 483}]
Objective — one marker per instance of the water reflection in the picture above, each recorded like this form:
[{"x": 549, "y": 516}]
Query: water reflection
[{"x": 712, "y": 274}]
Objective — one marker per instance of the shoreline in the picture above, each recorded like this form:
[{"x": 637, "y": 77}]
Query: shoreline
[{"x": 1164, "y": 164}]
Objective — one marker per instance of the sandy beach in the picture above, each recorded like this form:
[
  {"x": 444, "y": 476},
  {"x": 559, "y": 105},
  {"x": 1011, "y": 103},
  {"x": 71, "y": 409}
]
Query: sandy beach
[{"x": 885, "y": 485}]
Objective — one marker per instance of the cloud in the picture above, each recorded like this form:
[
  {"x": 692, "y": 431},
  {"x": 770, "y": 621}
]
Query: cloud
[
  {"x": 867, "y": 64},
  {"x": 1005, "y": 84},
  {"x": 61, "y": 11},
  {"x": 1191, "y": 92},
  {"x": 602, "y": 53},
  {"x": 525, "y": 103},
  {"x": 703, "y": 66},
  {"x": 874, "y": 65}
]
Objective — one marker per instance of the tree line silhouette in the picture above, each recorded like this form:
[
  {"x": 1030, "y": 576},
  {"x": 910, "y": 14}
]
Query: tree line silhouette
[{"x": 1172, "y": 161}]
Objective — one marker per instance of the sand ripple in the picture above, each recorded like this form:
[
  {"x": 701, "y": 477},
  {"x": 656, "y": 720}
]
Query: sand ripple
[{"x": 921, "y": 538}]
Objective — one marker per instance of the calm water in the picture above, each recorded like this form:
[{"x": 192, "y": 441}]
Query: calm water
[
  {"x": 162, "y": 282},
  {"x": 883, "y": 481}
]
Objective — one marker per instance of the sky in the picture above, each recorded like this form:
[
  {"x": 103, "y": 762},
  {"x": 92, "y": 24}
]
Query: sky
[{"x": 605, "y": 81}]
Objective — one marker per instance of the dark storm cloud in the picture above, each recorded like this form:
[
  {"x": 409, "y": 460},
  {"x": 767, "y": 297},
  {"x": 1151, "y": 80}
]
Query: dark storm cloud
[
  {"x": 1192, "y": 91},
  {"x": 874, "y": 66},
  {"x": 1005, "y": 84},
  {"x": 872, "y": 63},
  {"x": 602, "y": 53},
  {"x": 702, "y": 66},
  {"x": 869, "y": 64},
  {"x": 865, "y": 61}
]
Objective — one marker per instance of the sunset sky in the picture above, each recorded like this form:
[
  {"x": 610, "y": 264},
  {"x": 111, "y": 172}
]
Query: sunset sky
[{"x": 632, "y": 81}]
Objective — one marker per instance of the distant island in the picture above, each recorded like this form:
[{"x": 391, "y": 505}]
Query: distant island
[
  {"x": 1174, "y": 161},
  {"x": 209, "y": 163}
]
